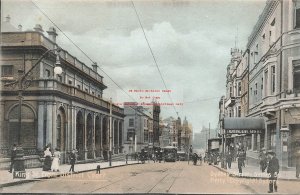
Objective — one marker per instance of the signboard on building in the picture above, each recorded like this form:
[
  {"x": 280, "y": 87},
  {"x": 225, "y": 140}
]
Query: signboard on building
[
  {"x": 244, "y": 125},
  {"x": 245, "y": 131}
]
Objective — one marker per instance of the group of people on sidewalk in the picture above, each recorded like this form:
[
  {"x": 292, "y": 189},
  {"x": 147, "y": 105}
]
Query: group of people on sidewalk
[{"x": 52, "y": 160}]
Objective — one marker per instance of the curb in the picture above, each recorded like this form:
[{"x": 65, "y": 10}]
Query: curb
[
  {"x": 57, "y": 175},
  {"x": 252, "y": 177}
]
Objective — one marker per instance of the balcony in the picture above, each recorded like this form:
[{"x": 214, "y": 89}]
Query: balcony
[{"x": 230, "y": 102}]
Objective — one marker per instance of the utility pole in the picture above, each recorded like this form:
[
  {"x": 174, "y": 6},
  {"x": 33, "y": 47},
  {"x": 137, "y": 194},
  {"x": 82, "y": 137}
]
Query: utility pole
[
  {"x": 208, "y": 130},
  {"x": 110, "y": 132}
]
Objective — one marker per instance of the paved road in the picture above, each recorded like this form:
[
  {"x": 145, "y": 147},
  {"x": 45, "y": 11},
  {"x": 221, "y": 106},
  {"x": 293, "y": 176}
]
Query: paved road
[{"x": 176, "y": 177}]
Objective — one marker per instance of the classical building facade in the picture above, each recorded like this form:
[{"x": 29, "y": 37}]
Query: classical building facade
[
  {"x": 272, "y": 59},
  {"x": 67, "y": 111}
]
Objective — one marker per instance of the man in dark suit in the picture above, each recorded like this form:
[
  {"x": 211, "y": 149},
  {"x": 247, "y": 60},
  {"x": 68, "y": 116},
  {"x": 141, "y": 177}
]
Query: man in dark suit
[
  {"x": 12, "y": 157},
  {"x": 273, "y": 170},
  {"x": 72, "y": 158}
]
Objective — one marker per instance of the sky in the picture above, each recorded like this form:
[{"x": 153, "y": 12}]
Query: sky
[{"x": 190, "y": 42}]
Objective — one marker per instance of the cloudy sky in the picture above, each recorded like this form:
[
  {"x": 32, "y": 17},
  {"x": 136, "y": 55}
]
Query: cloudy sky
[{"x": 190, "y": 40}]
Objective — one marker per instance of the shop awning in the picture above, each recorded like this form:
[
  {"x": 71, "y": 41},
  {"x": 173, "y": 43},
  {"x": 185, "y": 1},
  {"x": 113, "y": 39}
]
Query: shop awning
[{"x": 243, "y": 125}]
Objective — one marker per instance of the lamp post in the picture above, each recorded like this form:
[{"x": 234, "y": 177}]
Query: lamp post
[{"x": 22, "y": 83}]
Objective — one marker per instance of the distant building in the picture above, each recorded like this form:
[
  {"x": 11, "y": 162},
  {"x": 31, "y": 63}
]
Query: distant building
[
  {"x": 138, "y": 124},
  {"x": 186, "y": 135}
]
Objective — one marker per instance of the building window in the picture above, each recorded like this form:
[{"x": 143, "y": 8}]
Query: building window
[
  {"x": 87, "y": 90},
  {"x": 272, "y": 32},
  {"x": 70, "y": 82},
  {"x": 273, "y": 79},
  {"x": 7, "y": 70},
  {"x": 255, "y": 91},
  {"x": 296, "y": 71},
  {"x": 297, "y": 14},
  {"x": 230, "y": 92},
  {"x": 266, "y": 82},
  {"x": 78, "y": 86},
  {"x": 47, "y": 73},
  {"x": 145, "y": 136},
  {"x": 239, "y": 88},
  {"x": 131, "y": 122},
  {"x": 239, "y": 111},
  {"x": 131, "y": 135}
]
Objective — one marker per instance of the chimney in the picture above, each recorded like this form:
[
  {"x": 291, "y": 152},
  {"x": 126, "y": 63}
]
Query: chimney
[
  {"x": 38, "y": 28},
  {"x": 95, "y": 66},
  {"x": 52, "y": 34},
  {"x": 7, "y": 18},
  {"x": 20, "y": 27}
]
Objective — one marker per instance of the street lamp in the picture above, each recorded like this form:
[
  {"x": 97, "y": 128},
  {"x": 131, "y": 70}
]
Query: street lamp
[{"x": 22, "y": 83}]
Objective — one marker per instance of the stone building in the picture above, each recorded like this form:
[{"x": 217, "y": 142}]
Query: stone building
[
  {"x": 272, "y": 60},
  {"x": 67, "y": 111},
  {"x": 186, "y": 135},
  {"x": 138, "y": 125}
]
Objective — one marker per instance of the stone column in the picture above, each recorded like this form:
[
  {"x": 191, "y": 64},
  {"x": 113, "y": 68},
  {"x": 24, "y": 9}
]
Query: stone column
[
  {"x": 40, "y": 137},
  {"x": 118, "y": 126},
  {"x": 54, "y": 115},
  {"x": 101, "y": 134},
  {"x": 266, "y": 135},
  {"x": 94, "y": 134},
  {"x": 49, "y": 123},
  {"x": 73, "y": 128},
  {"x": 84, "y": 134}
]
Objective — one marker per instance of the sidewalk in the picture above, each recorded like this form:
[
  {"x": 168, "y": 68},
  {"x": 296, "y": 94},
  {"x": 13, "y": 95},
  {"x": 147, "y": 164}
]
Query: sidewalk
[
  {"x": 254, "y": 172},
  {"x": 36, "y": 174}
]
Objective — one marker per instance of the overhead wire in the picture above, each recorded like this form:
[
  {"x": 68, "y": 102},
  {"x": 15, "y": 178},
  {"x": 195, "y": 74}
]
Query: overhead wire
[
  {"x": 81, "y": 50},
  {"x": 153, "y": 56}
]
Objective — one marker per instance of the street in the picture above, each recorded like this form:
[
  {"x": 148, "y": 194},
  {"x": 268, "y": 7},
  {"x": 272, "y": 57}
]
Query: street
[{"x": 179, "y": 177}]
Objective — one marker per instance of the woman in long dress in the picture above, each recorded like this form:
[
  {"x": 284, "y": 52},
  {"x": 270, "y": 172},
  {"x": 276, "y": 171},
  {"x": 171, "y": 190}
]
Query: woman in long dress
[
  {"x": 55, "y": 162},
  {"x": 47, "y": 162}
]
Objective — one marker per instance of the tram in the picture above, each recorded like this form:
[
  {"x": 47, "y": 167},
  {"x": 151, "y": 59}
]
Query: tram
[{"x": 170, "y": 153}]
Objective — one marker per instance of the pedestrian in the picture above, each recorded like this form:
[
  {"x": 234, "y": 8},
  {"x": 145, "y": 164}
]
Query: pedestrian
[
  {"x": 55, "y": 161},
  {"x": 13, "y": 157},
  {"x": 48, "y": 160},
  {"x": 72, "y": 159},
  {"x": 273, "y": 170},
  {"x": 240, "y": 158},
  {"x": 153, "y": 157},
  {"x": 298, "y": 164},
  {"x": 200, "y": 159},
  {"x": 229, "y": 159},
  {"x": 263, "y": 160},
  {"x": 195, "y": 157},
  {"x": 98, "y": 169}
]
